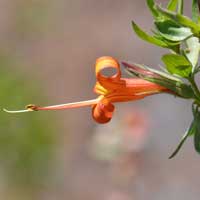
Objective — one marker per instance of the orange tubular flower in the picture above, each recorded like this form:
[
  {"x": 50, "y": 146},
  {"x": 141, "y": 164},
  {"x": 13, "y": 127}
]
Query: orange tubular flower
[{"x": 111, "y": 89}]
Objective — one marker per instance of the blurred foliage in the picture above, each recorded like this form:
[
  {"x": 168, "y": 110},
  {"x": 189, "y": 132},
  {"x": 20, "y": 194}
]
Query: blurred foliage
[{"x": 27, "y": 142}]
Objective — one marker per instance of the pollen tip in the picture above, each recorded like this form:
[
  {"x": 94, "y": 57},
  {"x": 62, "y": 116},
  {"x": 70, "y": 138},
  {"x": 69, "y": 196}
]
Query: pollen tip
[
  {"x": 5, "y": 110},
  {"x": 16, "y": 111},
  {"x": 31, "y": 107}
]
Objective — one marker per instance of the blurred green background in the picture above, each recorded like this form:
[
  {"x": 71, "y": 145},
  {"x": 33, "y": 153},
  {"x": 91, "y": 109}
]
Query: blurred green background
[
  {"x": 47, "y": 55},
  {"x": 27, "y": 142}
]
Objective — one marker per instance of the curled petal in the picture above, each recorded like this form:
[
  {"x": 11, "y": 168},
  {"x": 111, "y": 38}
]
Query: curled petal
[
  {"x": 102, "y": 112},
  {"x": 108, "y": 82}
]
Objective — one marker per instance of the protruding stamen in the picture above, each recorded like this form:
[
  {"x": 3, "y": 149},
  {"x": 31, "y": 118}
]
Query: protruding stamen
[
  {"x": 68, "y": 105},
  {"x": 33, "y": 107}
]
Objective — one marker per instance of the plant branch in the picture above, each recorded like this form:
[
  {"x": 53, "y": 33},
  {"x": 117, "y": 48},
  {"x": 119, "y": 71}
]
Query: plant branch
[{"x": 195, "y": 88}]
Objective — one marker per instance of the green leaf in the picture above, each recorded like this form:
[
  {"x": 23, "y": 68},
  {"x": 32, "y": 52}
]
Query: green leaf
[
  {"x": 172, "y": 5},
  {"x": 173, "y": 45},
  {"x": 152, "y": 6},
  {"x": 191, "y": 130},
  {"x": 172, "y": 31},
  {"x": 144, "y": 36},
  {"x": 195, "y": 11},
  {"x": 192, "y": 51},
  {"x": 181, "y": 19},
  {"x": 177, "y": 64}
]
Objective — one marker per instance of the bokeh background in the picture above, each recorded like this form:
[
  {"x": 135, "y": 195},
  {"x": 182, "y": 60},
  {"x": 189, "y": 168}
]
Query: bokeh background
[{"x": 47, "y": 53}]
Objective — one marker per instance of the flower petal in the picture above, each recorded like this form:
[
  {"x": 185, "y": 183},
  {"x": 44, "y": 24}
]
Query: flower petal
[
  {"x": 103, "y": 111},
  {"x": 107, "y": 82}
]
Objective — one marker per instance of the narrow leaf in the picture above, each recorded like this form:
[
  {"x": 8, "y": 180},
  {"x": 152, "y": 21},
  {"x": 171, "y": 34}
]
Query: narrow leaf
[
  {"x": 172, "y": 5},
  {"x": 168, "y": 42},
  {"x": 173, "y": 45},
  {"x": 144, "y": 36},
  {"x": 152, "y": 7},
  {"x": 188, "y": 133}
]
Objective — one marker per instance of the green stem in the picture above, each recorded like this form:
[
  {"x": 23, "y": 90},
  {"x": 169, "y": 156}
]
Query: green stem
[
  {"x": 195, "y": 88},
  {"x": 180, "y": 7}
]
